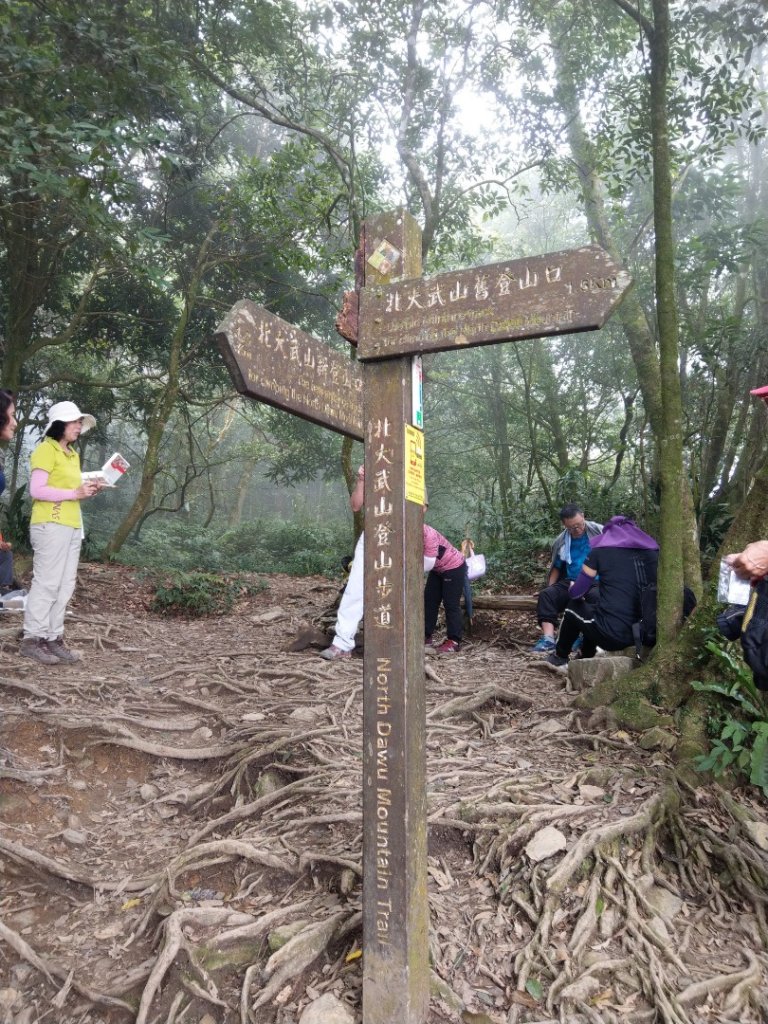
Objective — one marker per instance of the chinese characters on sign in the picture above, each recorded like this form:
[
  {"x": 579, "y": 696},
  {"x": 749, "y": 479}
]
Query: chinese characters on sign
[
  {"x": 556, "y": 293},
  {"x": 379, "y": 435},
  {"x": 277, "y": 363}
]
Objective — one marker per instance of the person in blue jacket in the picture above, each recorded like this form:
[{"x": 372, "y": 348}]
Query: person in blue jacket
[{"x": 568, "y": 555}]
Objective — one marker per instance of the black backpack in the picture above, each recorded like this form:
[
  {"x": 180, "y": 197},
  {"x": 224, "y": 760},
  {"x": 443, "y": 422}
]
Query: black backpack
[
  {"x": 644, "y": 630},
  {"x": 754, "y": 634}
]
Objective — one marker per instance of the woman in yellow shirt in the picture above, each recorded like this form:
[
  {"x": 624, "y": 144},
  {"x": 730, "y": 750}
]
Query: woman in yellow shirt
[{"x": 56, "y": 531}]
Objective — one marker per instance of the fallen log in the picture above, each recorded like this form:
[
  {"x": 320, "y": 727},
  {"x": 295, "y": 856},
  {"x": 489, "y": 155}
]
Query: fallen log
[{"x": 505, "y": 602}]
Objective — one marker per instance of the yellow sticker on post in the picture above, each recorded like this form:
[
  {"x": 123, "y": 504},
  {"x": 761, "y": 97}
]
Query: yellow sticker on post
[{"x": 414, "y": 464}]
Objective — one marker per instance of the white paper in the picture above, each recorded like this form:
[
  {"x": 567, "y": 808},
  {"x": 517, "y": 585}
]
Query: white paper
[
  {"x": 111, "y": 472},
  {"x": 114, "y": 468},
  {"x": 731, "y": 589}
]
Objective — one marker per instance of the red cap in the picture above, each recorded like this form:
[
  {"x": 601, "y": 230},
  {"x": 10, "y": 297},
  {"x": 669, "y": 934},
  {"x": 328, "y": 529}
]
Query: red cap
[{"x": 760, "y": 392}]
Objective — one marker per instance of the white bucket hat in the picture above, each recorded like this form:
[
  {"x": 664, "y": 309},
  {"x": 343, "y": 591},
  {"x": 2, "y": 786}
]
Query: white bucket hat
[{"x": 66, "y": 412}]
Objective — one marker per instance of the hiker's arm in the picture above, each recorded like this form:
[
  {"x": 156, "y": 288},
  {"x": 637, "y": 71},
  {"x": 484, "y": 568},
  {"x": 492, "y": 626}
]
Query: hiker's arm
[
  {"x": 752, "y": 562},
  {"x": 583, "y": 582}
]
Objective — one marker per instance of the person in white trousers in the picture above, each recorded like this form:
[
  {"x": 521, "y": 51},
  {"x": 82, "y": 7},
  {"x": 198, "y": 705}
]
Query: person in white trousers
[
  {"x": 351, "y": 605},
  {"x": 56, "y": 531}
]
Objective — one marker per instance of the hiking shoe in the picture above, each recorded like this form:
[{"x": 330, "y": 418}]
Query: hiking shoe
[
  {"x": 544, "y": 645},
  {"x": 576, "y": 646},
  {"x": 62, "y": 653},
  {"x": 334, "y": 653},
  {"x": 448, "y": 647},
  {"x": 37, "y": 649},
  {"x": 430, "y": 643},
  {"x": 556, "y": 660}
]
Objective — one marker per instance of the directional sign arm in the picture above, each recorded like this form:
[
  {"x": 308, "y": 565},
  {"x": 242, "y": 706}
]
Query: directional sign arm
[
  {"x": 557, "y": 293},
  {"x": 275, "y": 362}
]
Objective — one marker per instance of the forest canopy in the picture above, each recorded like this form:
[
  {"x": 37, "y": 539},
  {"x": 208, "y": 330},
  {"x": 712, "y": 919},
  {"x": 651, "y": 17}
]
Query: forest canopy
[{"x": 161, "y": 162}]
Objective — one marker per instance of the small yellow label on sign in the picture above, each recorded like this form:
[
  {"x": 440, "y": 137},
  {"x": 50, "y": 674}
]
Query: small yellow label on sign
[{"x": 414, "y": 464}]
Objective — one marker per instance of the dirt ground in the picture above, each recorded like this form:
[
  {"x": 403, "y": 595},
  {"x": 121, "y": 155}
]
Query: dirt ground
[{"x": 180, "y": 832}]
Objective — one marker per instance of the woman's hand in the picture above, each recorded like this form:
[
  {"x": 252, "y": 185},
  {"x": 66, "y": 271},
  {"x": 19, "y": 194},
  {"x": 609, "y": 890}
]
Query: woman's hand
[
  {"x": 88, "y": 488},
  {"x": 752, "y": 562}
]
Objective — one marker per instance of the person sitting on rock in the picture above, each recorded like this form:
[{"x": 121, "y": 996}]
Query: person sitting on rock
[
  {"x": 568, "y": 553},
  {"x": 626, "y": 559}
]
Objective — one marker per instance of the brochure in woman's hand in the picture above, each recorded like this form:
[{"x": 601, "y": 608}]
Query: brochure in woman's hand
[{"x": 112, "y": 470}]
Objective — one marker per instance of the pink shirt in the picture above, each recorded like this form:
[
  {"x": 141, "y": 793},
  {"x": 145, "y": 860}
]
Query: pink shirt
[{"x": 451, "y": 557}]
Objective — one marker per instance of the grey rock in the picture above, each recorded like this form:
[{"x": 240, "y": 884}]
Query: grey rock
[
  {"x": 74, "y": 837},
  {"x": 657, "y": 739},
  {"x": 327, "y": 1010},
  {"x": 586, "y": 672}
]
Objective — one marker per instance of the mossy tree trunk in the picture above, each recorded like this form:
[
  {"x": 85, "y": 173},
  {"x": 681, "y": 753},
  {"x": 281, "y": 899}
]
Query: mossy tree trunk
[
  {"x": 670, "y": 590},
  {"x": 653, "y": 367}
]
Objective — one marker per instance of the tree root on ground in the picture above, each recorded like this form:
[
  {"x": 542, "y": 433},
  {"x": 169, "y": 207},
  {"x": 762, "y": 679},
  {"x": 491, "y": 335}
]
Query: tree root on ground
[
  {"x": 649, "y": 907},
  {"x": 51, "y": 972},
  {"x": 466, "y": 704},
  {"x": 600, "y": 918}
]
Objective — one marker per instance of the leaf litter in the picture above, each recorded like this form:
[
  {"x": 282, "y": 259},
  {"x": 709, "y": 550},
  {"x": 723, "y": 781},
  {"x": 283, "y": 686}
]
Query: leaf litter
[{"x": 181, "y": 832}]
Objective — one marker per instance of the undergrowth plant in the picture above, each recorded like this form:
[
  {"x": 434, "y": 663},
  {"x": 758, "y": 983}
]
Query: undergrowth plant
[
  {"x": 742, "y": 741},
  {"x": 200, "y": 593},
  {"x": 16, "y": 520}
]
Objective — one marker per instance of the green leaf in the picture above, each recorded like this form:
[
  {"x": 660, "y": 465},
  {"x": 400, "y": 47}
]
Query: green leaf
[{"x": 534, "y": 989}]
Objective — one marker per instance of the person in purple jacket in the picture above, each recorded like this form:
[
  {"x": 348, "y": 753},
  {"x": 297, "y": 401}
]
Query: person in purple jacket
[
  {"x": 625, "y": 558},
  {"x": 445, "y": 585}
]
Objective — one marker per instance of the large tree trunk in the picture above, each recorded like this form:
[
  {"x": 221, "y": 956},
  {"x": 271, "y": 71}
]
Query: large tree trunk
[
  {"x": 648, "y": 364},
  {"x": 670, "y": 588}
]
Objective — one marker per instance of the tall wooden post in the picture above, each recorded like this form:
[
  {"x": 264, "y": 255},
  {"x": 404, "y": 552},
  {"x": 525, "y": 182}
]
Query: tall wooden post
[{"x": 395, "y": 908}]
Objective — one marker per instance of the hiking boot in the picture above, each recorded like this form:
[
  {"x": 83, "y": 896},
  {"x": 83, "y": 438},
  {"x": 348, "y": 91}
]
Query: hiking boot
[
  {"x": 448, "y": 647},
  {"x": 334, "y": 653},
  {"x": 544, "y": 645},
  {"x": 37, "y": 649},
  {"x": 556, "y": 660},
  {"x": 62, "y": 653}
]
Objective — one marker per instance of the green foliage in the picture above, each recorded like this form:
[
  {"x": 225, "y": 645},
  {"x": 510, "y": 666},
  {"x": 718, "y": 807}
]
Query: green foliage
[
  {"x": 299, "y": 548},
  {"x": 741, "y": 728},
  {"x": 16, "y": 515},
  {"x": 177, "y": 545},
  {"x": 200, "y": 593}
]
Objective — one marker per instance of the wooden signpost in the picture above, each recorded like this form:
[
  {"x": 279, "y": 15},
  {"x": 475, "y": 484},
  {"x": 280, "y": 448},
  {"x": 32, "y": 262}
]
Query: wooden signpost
[
  {"x": 400, "y": 316},
  {"x": 274, "y": 362},
  {"x": 395, "y": 905}
]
